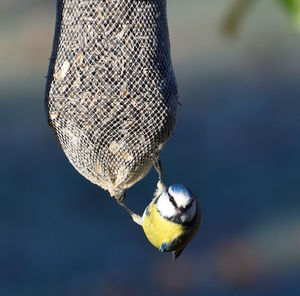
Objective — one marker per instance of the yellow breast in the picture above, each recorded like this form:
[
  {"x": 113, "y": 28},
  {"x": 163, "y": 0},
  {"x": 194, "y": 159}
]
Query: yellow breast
[{"x": 159, "y": 230}]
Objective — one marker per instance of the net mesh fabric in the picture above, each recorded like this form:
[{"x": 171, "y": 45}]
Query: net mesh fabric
[{"x": 111, "y": 93}]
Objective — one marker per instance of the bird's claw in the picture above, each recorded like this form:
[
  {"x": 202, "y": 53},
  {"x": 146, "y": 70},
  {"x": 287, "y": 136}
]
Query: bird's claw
[{"x": 157, "y": 165}]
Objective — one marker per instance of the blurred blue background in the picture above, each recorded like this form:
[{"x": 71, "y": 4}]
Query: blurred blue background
[{"x": 236, "y": 145}]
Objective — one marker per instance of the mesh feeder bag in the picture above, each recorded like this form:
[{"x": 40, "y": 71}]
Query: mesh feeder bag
[{"x": 111, "y": 94}]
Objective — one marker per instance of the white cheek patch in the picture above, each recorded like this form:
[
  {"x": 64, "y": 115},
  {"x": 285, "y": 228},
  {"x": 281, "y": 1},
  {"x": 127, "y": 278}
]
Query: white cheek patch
[
  {"x": 165, "y": 207},
  {"x": 182, "y": 199}
]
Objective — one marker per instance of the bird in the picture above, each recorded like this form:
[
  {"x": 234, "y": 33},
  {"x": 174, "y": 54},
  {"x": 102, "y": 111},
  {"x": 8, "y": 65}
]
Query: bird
[{"x": 171, "y": 219}]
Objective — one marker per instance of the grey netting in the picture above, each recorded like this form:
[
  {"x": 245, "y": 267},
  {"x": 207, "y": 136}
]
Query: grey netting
[{"x": 111, "y": 94}]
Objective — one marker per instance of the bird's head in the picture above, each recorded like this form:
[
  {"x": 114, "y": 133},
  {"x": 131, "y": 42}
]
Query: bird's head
[{"x": 178, "y": 204}]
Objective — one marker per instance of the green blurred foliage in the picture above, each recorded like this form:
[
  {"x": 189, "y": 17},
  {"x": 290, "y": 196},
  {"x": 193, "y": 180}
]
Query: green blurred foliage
[
  {"x": 239, "y": 8},
  {"x": 293, "y": 9},
  {"x": 235, "y": 15}
]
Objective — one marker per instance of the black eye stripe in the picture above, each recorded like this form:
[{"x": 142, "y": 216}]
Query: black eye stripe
[
  {"x": 188, "y": 205},
  {"x": 171, "y": 198}
]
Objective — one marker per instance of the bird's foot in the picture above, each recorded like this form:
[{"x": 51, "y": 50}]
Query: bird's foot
[
  {"x": 157, "y": 165},
  {"x": 136, "y": 218}
]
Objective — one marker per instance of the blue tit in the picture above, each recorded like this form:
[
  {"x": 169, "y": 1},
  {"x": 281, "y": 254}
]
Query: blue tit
[{"x": 172, "y": 218}]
